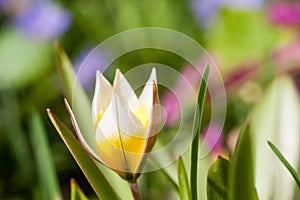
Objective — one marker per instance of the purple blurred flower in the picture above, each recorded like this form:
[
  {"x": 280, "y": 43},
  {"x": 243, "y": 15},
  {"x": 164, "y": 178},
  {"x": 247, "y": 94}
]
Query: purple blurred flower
[
  {"x": 87, "y": 66},
  {"x": 285, "y": 13},
  {"x": 43, "y": 20}
]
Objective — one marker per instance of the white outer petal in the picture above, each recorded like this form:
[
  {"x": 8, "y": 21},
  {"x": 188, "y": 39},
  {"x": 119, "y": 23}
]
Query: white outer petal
[
  {"x": 102, "y": 95},
  {"x": 288, "y": 137},
  {"x": 147, "y": 93},
  {"x": 154, "y": 124},
  {"x": 276, "y": 118}
]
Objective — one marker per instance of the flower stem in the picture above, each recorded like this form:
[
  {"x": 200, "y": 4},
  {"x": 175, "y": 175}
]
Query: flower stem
[{"x": 135, "y": 191}]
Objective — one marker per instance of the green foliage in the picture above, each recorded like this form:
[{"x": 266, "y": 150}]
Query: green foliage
[
  {"x": 196, "y": 131},
  {"x": 234, "y": 180},
  {"x": 43, "y": 159},
  {"x": 33, "y": 60},
  {"x": 217, "y": 180},
  {"x": 184, "y": 189},
  {"x": 97, "y": 180},
  {"x": 235, "y": 37},
  {"x": 286, "y": 163},
  {"x": 14, "y": 143},
  {"x": 81, "y": 105},
  {"x": 241, "y": 35}
]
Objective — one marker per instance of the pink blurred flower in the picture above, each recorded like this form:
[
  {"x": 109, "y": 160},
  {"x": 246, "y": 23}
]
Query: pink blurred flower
[
  {"x": 179, "y": 94},
  {"x": 173, "y": 99},
  {"x": 284, "y": 13},
  {"x": 213, "y": 138},
  {"x": 172, "y": 108},
  {"x": 241, "y": 74},
  {"x": 287, "y": 55}
]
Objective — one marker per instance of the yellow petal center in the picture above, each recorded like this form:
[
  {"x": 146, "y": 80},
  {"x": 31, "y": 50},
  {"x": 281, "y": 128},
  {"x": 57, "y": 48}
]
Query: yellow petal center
[
  {"x": 125, "y": 156},
  {"x": 125, "y": 152},
  {"x": 143, "y": 114}
]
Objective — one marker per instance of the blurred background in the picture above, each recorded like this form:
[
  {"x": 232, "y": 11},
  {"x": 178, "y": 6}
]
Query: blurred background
[{"x": 252, "y": 42}]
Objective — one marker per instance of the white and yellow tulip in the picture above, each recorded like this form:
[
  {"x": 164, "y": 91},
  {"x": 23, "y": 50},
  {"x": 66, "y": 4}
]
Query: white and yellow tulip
[{"x": 125, "y": 126}]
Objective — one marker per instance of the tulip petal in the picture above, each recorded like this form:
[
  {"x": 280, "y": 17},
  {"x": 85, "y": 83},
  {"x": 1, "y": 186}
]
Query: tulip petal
[
  {"x": 120, "y": 137},
  {"x": 102, "y": 96},
  {"x": 144, "y": 106},
  {"x": 153, "y": 127},
  {"x": 79, "y": 134},
  {"x": 124, "y": 90},
  {"x": 147, "y": 93},
  {"x": 154, "y": 122}
]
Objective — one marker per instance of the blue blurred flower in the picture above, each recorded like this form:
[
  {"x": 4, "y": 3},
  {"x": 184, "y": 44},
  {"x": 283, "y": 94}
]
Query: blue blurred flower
[
  {"x": 37, "y": 19},
  {"x": 43, "y": 20},
  {"x": 86, "y": 65},
  {"x": 207, "y": 10}
]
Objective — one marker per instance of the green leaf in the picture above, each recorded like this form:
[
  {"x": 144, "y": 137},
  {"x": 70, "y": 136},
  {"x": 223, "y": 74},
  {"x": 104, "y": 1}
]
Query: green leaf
[
  {"x": 184, "y": 189},
  {"x": 217, "y": 180},
  {"x": 286, "y": 164},
  {"x": 241, "y": 173},
  {"x": 196, "y": 131},
  {"x": 76, "y": 192},
  {"x": 81, "y": 107},
  {"x": 43, "y": 158},
  {"x": 97, "y": 180}
]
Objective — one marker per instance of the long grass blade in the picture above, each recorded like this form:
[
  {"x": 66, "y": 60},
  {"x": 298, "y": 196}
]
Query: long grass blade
[
  {"x": 44, "y": 159},
  {"x": 286, "y": 163},
  {"x": 196, "y": 132}
]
